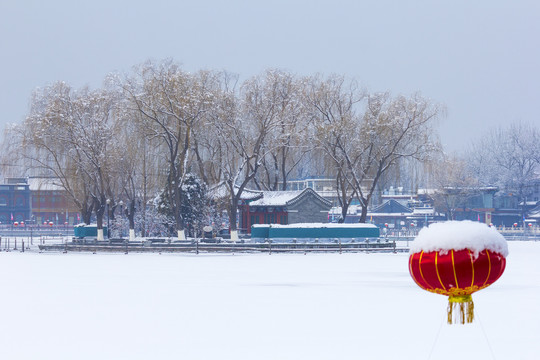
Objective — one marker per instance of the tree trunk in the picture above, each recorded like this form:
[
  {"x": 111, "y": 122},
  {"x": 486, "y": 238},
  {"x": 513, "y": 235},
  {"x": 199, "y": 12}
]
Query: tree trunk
[
  {"x": 86, "y": 214},
  {"x": 99, "y": 208},
  {"x": 232, "y": 219},
  {"x": 99, "y": 220},
  {"x": 363, "y": 215},
  {"x": 344, "y": 210},
  {"x": 145, "y": 199},
  {"x": 176, "y": 206},
  {"x": 131, "y": 217}
]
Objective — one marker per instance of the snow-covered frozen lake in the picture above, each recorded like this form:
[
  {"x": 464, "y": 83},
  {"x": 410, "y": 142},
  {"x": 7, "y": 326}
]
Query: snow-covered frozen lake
[{"x": 255, "y": 306}]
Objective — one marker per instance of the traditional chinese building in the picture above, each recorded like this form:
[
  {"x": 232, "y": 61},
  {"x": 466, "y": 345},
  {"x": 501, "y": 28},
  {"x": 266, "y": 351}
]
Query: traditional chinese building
[{"x": 284, "y": 207}]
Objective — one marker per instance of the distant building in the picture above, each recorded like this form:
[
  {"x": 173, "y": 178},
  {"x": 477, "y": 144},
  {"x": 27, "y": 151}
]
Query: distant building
[
  {"x": 534, "y": 214},
  {"x": 390, "y": 214},
  {"x": 398, "y": 210},
  {"x": 284, "y": 207},
  {"x": 50, "y": 203},
  {"x": 397, "y": 194},
  {"x": 423, "y": 216},
  {"x": 325, "y": 187},
  {"x": 509, "y": 210},
  {"x": 465, "y": 203},
  {"x": 14, "y": 201},
  {"x": 319, "y": 184}
]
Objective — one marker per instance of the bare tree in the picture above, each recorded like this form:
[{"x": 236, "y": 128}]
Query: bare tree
[
  {"x": 243, "y": 126},
  {"x": 334, "y": 104},
  {"x": 288, "y": 137},
  {"x": 454, "y": 185},
  {"x": 171, "y": 102},
  {"x": 107, "y": 146},
  {"x": 392, "y": 129},
  {"x": 509, "y": 158},
  {"x": 67, "y": 136},
  {"x": 131, "y": 171},
  {"x": 208, "y": 144},
  {"x": 366, "y": 147},
  {"x": 35, "y": 147}
]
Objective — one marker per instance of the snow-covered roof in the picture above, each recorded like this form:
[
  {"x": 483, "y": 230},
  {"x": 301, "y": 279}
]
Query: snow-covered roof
[
  {"x": 535, "y": 213},
  {"x": 284, "y": 198},
  {"x": 220, "y": 191},
  {"x": 352, "y": 210},
  {"x": 390, "y": 207},
  {"x": 476, "y": 189},
  {"x": 276, "y": 198},
  {"x": 398, "y": 196},
  {"x": 459, "y": 235},
  {"x": 44, "y": 184},
  {"x": 423, "y": 211},
  {"x": 382, "y": 214},
  {"x": 529, "y": 203}
]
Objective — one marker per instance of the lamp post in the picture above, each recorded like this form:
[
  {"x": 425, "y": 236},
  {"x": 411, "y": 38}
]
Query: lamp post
[
  {"x": 121, "y": 203},
  {"x": 108, "y": 202}
]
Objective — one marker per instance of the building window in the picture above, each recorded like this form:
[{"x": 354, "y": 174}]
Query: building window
[
  {"x": 3, "y": 201},
  {"x": 270, "y": 219}
]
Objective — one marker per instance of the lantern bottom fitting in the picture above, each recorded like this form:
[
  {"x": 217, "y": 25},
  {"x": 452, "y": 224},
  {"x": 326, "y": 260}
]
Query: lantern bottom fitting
[{"x": 459, "y": 298}]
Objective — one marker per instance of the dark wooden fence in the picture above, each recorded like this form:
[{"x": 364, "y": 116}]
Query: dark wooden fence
[{"x": 198, "y": 247}]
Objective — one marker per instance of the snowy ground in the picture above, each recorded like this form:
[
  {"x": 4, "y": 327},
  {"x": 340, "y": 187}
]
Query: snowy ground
[{"x": 255, "y": 306}]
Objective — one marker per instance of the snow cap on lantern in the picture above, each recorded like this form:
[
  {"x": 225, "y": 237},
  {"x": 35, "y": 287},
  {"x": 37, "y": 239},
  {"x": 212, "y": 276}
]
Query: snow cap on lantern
[
  {"x": 457, "y": 258},
  {"x": 459, "y": 235}
]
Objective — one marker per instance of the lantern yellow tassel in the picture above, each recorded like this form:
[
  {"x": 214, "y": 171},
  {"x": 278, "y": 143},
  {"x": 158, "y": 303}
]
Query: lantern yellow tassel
[{"x": 465, "y": 304}]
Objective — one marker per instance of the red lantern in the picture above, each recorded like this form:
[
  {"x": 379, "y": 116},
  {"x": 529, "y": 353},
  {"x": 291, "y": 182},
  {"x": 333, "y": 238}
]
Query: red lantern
[
  {"x": 456, "y": 274},
  {"x": 459, "y": 272}
]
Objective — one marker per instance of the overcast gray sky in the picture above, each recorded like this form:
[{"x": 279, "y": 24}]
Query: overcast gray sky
[{"x": 479, "y": 58}]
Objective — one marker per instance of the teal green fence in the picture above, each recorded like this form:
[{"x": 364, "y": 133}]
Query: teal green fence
[
  {"x": 313, "y": 232},
  {"x": 87, "y": 231}
]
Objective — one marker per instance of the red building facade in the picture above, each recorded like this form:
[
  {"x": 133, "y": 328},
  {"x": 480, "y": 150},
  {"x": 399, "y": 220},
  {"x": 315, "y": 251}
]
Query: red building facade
[
  {"x": 283, "y": 207},
  {"x": 50, "y": 203}
]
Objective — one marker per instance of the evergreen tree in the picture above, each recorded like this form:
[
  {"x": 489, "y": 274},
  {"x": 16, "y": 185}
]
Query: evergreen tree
[{"x": 195, "y": 203}]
